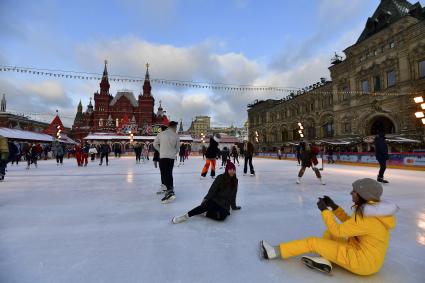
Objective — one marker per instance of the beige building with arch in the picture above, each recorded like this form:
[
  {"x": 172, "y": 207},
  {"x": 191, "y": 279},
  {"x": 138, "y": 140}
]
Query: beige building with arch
[{"x": 371, "y": 89}]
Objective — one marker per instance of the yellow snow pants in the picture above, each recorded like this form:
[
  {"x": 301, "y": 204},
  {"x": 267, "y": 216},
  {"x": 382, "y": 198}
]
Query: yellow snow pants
[{"x": 330, "y": 248}]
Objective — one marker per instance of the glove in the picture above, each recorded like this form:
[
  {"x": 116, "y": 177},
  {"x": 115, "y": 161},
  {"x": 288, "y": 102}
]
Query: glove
[
  {"x": 321, "y": 204},
  {"x": 329, "y": 202},
  {"x": 236, "y": 208}
]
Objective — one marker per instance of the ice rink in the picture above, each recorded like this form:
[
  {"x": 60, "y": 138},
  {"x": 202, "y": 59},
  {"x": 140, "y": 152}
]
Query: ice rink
[{"x": 106, "y": 224}]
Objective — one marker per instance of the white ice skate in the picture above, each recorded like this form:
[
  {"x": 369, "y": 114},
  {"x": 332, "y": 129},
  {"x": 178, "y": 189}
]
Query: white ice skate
[
  {"x": 322, "y": 182},
  {"x": 319, "y": 263},
  {"x": 267, "y": 250},
  {"x": 180, "y": 219},
  {"x": 298, "y": 180}
]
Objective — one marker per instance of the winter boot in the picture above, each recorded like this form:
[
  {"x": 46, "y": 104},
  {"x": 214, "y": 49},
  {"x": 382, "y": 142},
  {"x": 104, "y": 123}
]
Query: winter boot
[
  {"x": 180, "y": 219},
  {"x": 268, "y": 251},
  {"x": 319, "y": 263}
]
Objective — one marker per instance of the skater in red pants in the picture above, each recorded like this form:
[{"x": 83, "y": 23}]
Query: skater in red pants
[
  {"x": 211, "y": 155},
  {"x": 78, "y": 154}
]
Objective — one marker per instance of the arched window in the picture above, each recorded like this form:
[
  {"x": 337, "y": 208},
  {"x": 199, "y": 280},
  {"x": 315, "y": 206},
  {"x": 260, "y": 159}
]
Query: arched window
[
  {"x": 284, "y": 135},
  {"x": 311, "y": 132},
  {"x": 328, "y": 129}
]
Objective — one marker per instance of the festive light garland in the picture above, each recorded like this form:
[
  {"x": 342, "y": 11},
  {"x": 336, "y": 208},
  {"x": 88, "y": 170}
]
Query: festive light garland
[
  {"x": 292, "y": 91},
  {"x": 131, "y": 79}
]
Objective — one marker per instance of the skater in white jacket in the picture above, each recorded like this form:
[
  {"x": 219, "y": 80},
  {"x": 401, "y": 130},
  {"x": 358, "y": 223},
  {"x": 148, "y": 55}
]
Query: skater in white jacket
[{"x": 168, "y": 145}]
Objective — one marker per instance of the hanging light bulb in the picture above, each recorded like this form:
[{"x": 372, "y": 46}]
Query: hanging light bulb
[
  {"x": 419, "y": 114},
  {"x": 419, "y": 99}
]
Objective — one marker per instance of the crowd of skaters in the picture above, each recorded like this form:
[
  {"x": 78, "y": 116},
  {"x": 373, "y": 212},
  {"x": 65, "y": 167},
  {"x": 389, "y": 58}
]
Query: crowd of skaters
[{"x": 369, "y": 226}]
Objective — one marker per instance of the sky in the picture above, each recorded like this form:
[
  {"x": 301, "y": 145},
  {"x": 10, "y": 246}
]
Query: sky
[{"x": 282, "y": 43}]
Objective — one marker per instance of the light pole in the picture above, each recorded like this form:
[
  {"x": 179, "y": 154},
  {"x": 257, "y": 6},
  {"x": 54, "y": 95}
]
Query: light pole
[
  {"x": 257, "y": 140},
  {"x": 301, "y": 129},
  {"x": 420, "y": 114},
  {"x": 58, "y": 132}
]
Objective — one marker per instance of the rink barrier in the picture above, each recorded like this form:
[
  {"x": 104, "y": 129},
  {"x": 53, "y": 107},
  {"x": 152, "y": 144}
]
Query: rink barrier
[{"x": 397, "y": 160}]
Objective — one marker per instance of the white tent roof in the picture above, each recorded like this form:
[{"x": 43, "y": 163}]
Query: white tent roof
[
  {"x": 25, "y": 135},
  {"x": 106, "y": 136},
  {"x": 66, "y": 139},
  {"x": 393, "y": 139}
]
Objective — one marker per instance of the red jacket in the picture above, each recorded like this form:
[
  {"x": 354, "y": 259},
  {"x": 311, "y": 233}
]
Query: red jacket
[{"x": 78, "y": 149}]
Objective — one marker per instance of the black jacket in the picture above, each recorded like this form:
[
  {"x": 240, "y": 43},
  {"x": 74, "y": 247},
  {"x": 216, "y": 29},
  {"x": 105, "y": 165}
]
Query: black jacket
[
  {"x": 104, "y": 148},
  {"x": 381, "y": 148},
  {"x": 156, "y": 155},
  {"x": 182, "y": 150},
  {"x": 86, "y": 149},
  {"x": 222, "y": 195},
  {"x": 138, "y": 149},
  {"x": 212, "y": 150},
  {"x": 225, "y": 155}
]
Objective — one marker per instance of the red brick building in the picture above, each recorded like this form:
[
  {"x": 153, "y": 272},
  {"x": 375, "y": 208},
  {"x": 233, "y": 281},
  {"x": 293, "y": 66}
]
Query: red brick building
[{"x": 119, "y": 114}]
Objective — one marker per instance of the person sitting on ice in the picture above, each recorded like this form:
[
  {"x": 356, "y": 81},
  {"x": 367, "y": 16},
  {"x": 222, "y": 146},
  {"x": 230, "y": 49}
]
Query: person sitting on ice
[
  {"x": 309, "y": 159},
  {"x": 358, "y": 244},
  {"x": 220, "y": 198}
]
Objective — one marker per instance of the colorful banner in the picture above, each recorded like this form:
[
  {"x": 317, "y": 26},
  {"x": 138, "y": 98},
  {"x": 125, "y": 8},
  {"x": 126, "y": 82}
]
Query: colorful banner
[{"x": 395, "y": 159}]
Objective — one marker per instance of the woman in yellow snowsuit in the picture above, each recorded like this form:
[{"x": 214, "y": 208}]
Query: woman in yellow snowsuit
[{"x": 358, "y": 244}]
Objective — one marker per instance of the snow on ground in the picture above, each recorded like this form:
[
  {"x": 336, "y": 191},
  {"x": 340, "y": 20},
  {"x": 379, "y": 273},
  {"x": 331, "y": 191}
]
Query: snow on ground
[{"x": 106, "y": 224}]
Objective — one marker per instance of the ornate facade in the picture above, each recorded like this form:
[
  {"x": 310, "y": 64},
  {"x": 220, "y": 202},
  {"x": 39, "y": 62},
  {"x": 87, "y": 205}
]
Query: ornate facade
[
  {"x": 371, "y": 89},
  {"x": 119, "y": 114},
  {"x": 200, "y": 125}
]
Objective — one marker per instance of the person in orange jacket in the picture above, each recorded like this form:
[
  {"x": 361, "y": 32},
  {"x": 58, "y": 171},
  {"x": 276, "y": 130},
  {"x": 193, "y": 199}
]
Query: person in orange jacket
[{"x": 359, "y": 243}]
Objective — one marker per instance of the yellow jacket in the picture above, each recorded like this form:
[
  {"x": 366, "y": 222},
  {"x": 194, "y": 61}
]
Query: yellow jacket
[
  {"x": 367, "y": 239},
  {"x": 4, "y": 148}
]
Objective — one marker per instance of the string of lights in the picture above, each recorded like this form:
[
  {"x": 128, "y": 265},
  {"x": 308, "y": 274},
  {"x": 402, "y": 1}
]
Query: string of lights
[{"x": 291, "y": 92}]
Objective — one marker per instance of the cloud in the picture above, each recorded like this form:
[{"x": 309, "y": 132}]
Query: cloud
[
  {"x": 28, "y": 96},
  {"x": 128, "y": 55},
  {"x": 47, "y": 90},
  {"x": 301, "y": 65}
]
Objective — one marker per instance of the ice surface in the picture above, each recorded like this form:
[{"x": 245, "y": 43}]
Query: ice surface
[{"x": 106, "y": 224}]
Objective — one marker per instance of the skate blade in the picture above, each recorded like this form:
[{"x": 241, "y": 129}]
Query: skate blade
[
  {"x": 262, "y": 252},
  {"x": 316, "y": 266},
  {"x": 168, "y": 200}
]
